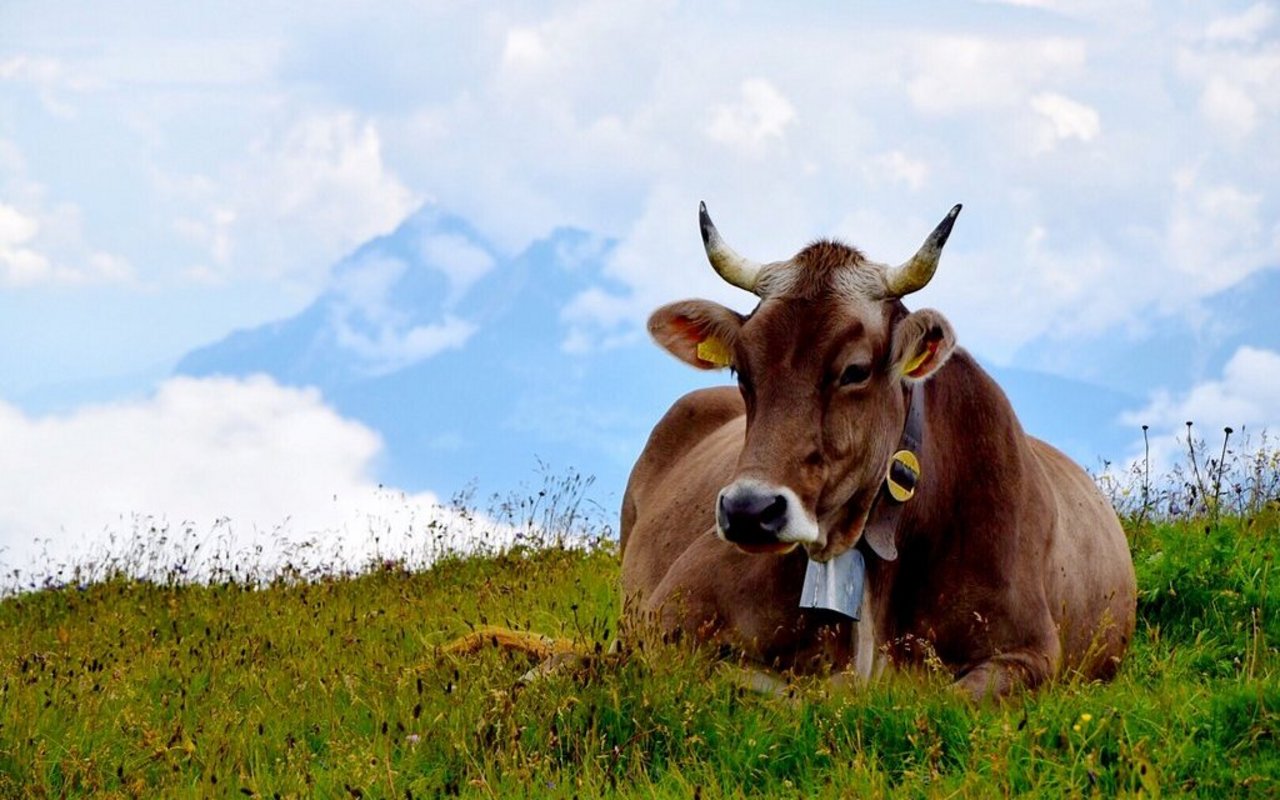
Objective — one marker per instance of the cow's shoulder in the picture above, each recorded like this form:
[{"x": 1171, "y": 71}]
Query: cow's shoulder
[
  {"x": 688, "y": 422},
  {"x": 691, "y": 419}
]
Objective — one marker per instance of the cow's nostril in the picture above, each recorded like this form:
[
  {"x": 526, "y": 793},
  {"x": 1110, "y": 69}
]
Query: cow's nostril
[{"x": 774, "y": 516}]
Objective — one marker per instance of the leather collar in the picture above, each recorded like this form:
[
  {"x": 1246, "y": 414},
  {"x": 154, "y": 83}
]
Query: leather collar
[{"x": 900, "y": 481}]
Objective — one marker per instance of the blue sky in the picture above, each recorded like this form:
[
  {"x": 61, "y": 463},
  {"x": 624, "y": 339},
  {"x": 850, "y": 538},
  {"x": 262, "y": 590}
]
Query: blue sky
[{"x": 170, "y": 175}]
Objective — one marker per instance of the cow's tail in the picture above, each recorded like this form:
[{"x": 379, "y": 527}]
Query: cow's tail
[{"x": 533, "y": 644}]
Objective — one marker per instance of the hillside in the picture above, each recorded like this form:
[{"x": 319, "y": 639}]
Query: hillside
[{"x": 338, "y": 686}]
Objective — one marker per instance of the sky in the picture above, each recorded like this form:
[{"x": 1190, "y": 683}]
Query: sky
[{"x": 171, "y": 174}]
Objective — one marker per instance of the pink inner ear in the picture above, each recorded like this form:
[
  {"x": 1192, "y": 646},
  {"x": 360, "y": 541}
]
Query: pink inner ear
[
  {"x": 688, "y": 330},
  {"x": 683, "y": 337},
  {"x": 923, "y": 369}
]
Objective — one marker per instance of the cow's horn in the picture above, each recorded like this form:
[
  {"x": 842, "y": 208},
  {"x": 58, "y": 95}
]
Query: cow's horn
[
  {"x": 735, "y": 269},
  {"x": 913, "y": 275}
]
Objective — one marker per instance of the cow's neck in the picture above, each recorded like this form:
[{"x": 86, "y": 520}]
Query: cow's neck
[
  {"x": 879, "y": 545},
  {"x": 839, "y": 584},
  {"x": 972, "y": 448}
]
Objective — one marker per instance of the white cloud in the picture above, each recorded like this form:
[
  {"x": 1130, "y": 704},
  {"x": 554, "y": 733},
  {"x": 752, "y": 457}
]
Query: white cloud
[
  {"x": 1127, "y": 11},
  {"x": 26, "y": 68},
  {"x": 301, "y": 198},
  {"x": 1071, "y": 276},
  {"x": 391, "y": 345},
  {"x": 568, "y": 116},
  {"x": 1237, "y": 90},
  {"x": 11, "y": 161},
  {"x": 43, "y": 243},
  {"x": 1048, "y": 284},
  {"x": 760, "y": 115},
  {"x": 364, "y": 286},
  {"x": 332, "y": 154},
  {"x": 1229, "y": 107},
  {"x": 1236, "y": 66},
  {"x": 1064, "y": 119},
  {"x": 371, "y": 324},
  {"x": 458, "y": 258},
  {"x": 212, "y": 233},
  {"x": 16, "y": 228},
  {"x": 968, "y": 73},
  {"x": 1215, "y": 236},
  {"x": 896, "y": 166},
  {"x": 1245, "y": 398},
  {"x": 22, "y": 265},
  {"x": 593, "y": 317},
  {"x": 51, "y": 79},
  {"x": 266, "y": 465},
  {"x": 108, "y": 268},
  {"x": 1246, "y": 27},
  {"x": 131, "y": 61},
  {"x": 18, "y": 263},
  {"x": 524, "y": 49}
]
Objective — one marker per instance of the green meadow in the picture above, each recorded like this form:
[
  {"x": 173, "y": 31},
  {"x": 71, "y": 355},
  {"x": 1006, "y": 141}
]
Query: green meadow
[{"x": 341, "y": 686}]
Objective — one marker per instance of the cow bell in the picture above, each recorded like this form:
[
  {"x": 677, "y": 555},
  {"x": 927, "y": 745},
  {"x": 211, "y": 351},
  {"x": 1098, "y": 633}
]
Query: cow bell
[{"x": 836, "y": 585}]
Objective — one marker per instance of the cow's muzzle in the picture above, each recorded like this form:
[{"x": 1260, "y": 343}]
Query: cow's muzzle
[{"x": 761, "y": 518}]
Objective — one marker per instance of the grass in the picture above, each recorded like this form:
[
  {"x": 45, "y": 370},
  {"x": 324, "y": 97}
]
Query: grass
[{"x": 338, "y": 686}]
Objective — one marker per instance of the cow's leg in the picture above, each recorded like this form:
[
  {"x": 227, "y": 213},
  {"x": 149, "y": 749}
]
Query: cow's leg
[
  {"x": 1001, "y": 674},
  {"x": 746, "y": 606},
  {"x": 757, "y": 680}
]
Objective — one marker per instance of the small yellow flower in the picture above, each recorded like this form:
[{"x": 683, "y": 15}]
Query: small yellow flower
[
  {"x": 1076, "y": 727},
  {"x": 1086, "y": 717}
]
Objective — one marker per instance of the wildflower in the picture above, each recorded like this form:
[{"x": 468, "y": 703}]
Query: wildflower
[
  {"x": 412, "y": 738},
  {"x": 1086, "y": 717}
]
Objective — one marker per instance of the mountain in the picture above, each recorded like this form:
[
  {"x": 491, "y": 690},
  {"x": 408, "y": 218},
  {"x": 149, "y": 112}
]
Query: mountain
[
  {"x": 1137, "y": 360},
  {"x": 454, "y": 353}
]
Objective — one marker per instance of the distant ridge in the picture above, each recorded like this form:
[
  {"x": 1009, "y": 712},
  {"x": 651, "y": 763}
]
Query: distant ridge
[
  {"x": 451, "y": 350},
  {"x": 489, "y": 411}
]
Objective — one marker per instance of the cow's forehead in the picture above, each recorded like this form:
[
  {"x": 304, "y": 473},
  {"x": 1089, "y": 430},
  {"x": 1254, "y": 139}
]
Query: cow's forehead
[
  {"x": 824, "y": 268},
  {"x": 795, "y": 330}
]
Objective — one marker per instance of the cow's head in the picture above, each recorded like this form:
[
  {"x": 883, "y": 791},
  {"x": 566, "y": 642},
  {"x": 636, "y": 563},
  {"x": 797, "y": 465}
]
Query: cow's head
[{"x": 825, "y": 363}]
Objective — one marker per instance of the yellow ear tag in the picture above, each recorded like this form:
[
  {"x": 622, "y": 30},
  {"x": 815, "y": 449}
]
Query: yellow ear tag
[
  {"x": 914, "y": 364},
  {"x": 713, "y": 351},
  {"x": 919, "y": 361}
]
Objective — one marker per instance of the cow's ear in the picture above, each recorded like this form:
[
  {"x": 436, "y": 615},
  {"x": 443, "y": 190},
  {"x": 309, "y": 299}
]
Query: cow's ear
[
  {"x": 697, "y": 332},
  {"x": 922, "y": 343}
]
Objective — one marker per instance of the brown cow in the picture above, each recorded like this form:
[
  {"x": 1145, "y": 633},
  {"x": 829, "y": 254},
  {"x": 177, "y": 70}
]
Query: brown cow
[{"x": 1006, "y": 564}]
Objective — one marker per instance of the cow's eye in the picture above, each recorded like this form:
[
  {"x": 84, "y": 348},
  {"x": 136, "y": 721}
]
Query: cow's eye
[{"x": 855, "y": 374}]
